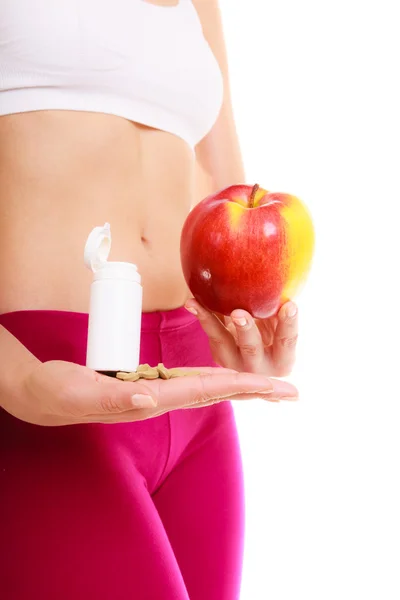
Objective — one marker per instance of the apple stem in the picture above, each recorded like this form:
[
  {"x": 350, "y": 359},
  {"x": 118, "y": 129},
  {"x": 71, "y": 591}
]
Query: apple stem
[{"x": 253, "y": 195}]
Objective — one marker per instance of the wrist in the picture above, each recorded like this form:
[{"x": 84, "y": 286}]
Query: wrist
[
  {"x": 16, "y": 365},
  {"x": 15, "y": 395}
]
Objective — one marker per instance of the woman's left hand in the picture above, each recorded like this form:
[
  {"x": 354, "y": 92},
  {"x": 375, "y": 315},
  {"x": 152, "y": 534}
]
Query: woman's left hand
[{"x": 265, "y": 346}]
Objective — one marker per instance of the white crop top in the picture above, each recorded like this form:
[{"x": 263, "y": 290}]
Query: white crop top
[{"x": 150, "y": 64}]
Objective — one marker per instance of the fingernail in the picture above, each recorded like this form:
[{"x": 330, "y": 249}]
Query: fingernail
[
  {"x": 285, "y": 390},
  {"x": 241, "y": 321},
  {"x": 191, "y": 310},
  {"x": 143, "y": 401},
  {"x": 291, "y": 311}
]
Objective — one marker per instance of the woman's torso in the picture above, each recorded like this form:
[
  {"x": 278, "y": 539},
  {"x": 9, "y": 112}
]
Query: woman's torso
[{"x": 63, "y": 172}]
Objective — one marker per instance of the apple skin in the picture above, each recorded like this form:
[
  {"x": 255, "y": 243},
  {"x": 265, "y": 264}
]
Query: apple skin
[{"x": 245, "y": 247}]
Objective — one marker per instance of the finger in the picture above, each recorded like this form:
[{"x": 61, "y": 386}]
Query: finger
[
  {"x": 241, "y": 397},
  {"x": 222, "y": 344},
  {"x": 127, "y": 416},
  {"x": 102, "y": 395},
  {"x": 199, "y": 389},
  {"x": 113, "y": 398},
  {"x": 211, "y": 370},
  {"x": 203, "y": 390},
  {"x": 200, "y": 399},
  {"x": 249, "y": 341},
  {"x": 283, "y": 351},
  {"x": 224, "y": 320},
  {"x": 267, "y": 329}
]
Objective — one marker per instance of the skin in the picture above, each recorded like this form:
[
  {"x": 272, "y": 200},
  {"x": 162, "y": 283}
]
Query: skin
[{"x": 62, "y": 173}]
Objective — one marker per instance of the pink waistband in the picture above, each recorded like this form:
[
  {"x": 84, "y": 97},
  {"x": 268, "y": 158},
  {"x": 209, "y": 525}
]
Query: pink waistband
[{"x": 151, "y": 321}]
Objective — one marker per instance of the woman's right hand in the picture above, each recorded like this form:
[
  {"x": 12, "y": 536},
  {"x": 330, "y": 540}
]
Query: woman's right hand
[{"x": 64, "y": 393}]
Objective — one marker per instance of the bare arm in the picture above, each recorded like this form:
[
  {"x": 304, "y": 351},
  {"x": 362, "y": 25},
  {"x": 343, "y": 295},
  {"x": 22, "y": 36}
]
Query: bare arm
[{"x": 219, "y": 159}]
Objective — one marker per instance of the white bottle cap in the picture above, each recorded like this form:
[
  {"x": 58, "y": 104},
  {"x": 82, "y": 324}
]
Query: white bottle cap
[
  {"x": 98, "y": 247},
  {"x": 97, "y": 250}
]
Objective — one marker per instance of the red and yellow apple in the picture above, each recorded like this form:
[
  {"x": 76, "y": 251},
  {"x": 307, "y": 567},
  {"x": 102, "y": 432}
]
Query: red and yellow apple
[{"x": 245, "y": 247}]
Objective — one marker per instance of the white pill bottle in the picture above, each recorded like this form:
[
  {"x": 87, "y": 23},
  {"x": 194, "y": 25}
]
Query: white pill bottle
[{"x": 115, "y": 310}]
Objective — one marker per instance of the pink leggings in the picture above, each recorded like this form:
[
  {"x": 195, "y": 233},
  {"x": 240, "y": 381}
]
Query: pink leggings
[{"x": 151, "y": 510}]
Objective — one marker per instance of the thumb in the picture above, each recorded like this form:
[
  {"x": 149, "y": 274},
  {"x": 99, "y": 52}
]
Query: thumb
[{"x": 109, "y": 395}]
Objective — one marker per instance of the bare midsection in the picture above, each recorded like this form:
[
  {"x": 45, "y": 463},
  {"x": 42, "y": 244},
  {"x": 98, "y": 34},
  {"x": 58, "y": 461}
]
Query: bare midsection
[{"x": 63, "y": 173}]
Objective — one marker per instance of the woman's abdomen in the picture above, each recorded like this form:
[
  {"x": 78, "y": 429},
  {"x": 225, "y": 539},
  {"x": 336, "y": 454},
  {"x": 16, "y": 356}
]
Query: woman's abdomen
[{"x": 63, "y": 173}]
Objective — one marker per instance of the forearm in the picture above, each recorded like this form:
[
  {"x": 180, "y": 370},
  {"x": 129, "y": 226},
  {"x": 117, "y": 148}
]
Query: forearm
[
  {"x": 15, "y": 362},
  {"x": 219, "y": 156},
  {"x": 219, "y": 165}
]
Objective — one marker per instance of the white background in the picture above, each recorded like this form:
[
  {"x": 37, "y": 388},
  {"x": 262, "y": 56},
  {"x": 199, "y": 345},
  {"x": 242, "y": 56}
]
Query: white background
[{"x": 317, "y": 110}]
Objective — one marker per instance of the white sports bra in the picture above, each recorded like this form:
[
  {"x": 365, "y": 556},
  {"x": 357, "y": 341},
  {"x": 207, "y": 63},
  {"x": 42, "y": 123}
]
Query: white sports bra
[{"x": 147, "y": 63}]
